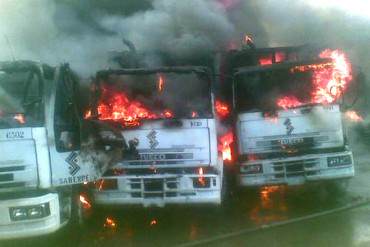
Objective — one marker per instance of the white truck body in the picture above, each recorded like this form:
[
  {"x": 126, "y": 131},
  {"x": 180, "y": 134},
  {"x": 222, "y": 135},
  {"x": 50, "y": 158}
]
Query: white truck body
[
  {"x": 35, "y": 178},
  {"x": 177, "y": 160},
  {"x": 299, "y": 145},
  {"x": 167, "y": 169}
]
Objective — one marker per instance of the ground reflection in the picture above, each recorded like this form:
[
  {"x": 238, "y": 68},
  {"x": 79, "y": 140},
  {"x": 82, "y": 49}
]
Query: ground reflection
[{"x": 271, "y": 205}]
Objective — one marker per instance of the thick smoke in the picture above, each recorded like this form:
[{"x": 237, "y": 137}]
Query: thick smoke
[
  {"x": 325, "y": 23},
  {"x": 299, "y": 22},
  {"x": 83, "y": 32}
]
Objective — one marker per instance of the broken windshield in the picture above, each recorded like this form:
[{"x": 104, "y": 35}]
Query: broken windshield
[
  {"x": 286, "y": 87},
  {"x": 20, "y": 99},
  {"x": 131, "y": 98}
]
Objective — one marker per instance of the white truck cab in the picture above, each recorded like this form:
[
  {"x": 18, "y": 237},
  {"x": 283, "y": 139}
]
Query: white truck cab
[
  {"x": 39, "y": 148},
  {"x": 284, "y": 134},
  {"x": 167, "y": 116}
]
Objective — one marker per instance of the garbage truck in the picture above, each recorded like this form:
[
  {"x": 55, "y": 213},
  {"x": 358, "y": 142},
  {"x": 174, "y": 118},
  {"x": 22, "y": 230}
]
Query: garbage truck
[
  {"x": 287, "y": 115},
  {"x": 166, "y": 115},
  {"x": 41, "y": 161}
]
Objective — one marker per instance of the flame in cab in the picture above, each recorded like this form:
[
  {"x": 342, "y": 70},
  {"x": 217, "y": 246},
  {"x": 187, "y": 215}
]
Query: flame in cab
[
  {"x": 160, "y": 83},
  {"x": 268, "y": 59},
  {"x": 222, "y": 109},
  {"x": 353, "y": 116},
  {"x": 116, "y": 106},
  {"x": 329, "y": 80},
  {"x": 288, "y": 102},
  {"x": 20, "y": 118},
  {"x": 201, "y": 178},
  {"x": 330, "y": 84},
  {"x": 225, "y": 145}
]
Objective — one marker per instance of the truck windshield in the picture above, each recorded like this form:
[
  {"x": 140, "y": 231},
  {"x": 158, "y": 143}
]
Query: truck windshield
[
  {"x": 131, "y": 98},
  {"x": 20, "y": 100},
  {"x": 287, "y": 87}
]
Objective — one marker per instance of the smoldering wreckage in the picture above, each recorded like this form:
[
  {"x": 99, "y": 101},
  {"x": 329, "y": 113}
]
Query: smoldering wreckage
[{"x": 169, "y": 135}]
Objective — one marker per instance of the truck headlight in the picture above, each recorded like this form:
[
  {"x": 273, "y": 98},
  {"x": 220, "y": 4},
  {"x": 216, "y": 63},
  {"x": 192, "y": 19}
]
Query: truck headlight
[
  {"x": 29, "y": 212},
  {"x": 339, "y": 160},
  {"x": 18, "y": 214}
]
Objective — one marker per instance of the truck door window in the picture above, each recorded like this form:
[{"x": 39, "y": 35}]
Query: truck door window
[
  {"x": 32, "y": 99},
  {"x": 21, "y": 99},
  {"x": 66, "y": 118}
]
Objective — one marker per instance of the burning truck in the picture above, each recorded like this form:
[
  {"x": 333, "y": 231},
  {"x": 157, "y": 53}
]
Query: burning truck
[
  {"x": 41, "y": 139},
  {"x": 287, "y": 115},
  {"x": 167, "y": 116}
]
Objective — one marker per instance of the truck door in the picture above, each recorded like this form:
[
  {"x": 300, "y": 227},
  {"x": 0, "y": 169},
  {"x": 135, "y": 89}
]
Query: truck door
[{"x": 68, "y": 164}]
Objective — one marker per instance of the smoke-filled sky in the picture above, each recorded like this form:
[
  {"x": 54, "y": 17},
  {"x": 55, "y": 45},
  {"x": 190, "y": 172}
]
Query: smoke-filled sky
[{"x": 82, "y": 32}]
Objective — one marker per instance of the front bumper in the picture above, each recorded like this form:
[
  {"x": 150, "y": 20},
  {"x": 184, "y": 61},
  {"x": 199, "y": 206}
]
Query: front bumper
[
  {"x": 10, "y": 229},
  {"x": 296, "y": 170},
  {"x": 159, "y": 190}
]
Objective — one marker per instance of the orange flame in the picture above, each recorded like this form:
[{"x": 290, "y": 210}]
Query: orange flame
[
  {"x": 268, "y": 59},
  {"x": 330, "y": 80},
  {"x": 85, "y": 203},
  {"x": 116, "y": 106},
  {"x": 288, "y": 102},
  {"x": 224, "y": 145},
  {"x": 201, "y": 179},
  {"x": 222, "y": 109},
  {"x": 354, "y": 116},
  {"x": 265, "y": 60},
  {"x": 280, "y": 57},
  {"x": 20, "y": 118},
  {"x": 88, "y": 114},
  {"x": 331, "y": 84},
  {"x": 248, "y": 39},
  {"x": 167, "y": 114},
  {"x": 153, "y": 222},
  {"x": 110, "y": 223},
  {"x": 160, "y": 83}
]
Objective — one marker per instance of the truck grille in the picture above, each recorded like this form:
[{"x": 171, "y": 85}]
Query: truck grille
[
  {"x": 18, "y": 163},
  {"x": 17, "y": 177},
  {"x": 153, "y": 187},
  {"x": 288, "y": 169},
  {"x": 12, "y": 185}
]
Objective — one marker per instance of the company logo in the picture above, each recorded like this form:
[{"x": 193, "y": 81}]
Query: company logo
[
  {"x": 289, "y": 126},
  {"x": 72, "y": 161},
  {"x": 152, "y": 137}
]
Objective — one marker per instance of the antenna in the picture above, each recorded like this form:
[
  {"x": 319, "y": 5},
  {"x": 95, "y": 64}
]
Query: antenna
[{"x": 10, "y": 47}]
